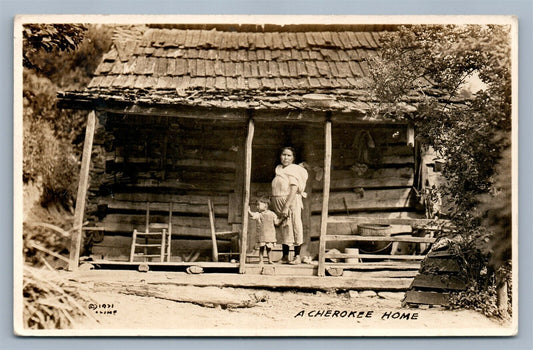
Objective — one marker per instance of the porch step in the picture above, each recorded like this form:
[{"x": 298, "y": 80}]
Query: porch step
[
  {"x": 251, "y": 280},
  {"x": 439, "y": 275}
]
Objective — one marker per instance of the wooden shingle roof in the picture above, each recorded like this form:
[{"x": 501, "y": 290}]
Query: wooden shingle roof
[{"x": 214, "y": 68}]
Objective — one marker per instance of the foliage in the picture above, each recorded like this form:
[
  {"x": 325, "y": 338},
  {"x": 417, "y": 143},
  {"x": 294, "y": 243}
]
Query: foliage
[
  {"x": 436, "y": 61},
  {"x": 432, "y": 66},
  {"x": 50, "y": 37},
  {"x": 481, "y": 294},
  {"x": 496, "y": 210},
  {"x": 52, "y": 136},
  {"x": 72, "y": 69},
  {"x": 52, "y": 301},
  {"x": 483, "y": 300},
  {"x": 48, "y": 158},
  {"x": 55, "y": 57}
]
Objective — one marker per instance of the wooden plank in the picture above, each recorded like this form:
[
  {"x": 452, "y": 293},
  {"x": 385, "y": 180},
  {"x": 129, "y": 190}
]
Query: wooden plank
[
  {"x": 381, "y": 274},
  {"x": 347, "y": 158},
  {"x": 365, "y": 200},
  {"x": 306, "y": 212},
  {"x": 440, "y": 266},
  {"x": 442, "y": 282},
  {"x": 303, "y": 117},
  {"x": 177, "y": 207},
  {"x": 234, "y": 209},
  {"x": 381, "y": 265},
  {"x": 226, "y": 140},
  {"x": 374, "y": 256},
  {"x": 386, "y": 177},
  {"x": 351, "y": 228},
  {"x": 411, "y": 135},
  {"x": 236, "y": 200},
  {"x": 164, "y": 155},
  {"x": 427, "y": 298},
  {"x": 415, "y": 223},
  {"x": 246, "y": 201},
  {"x": 385, "y": 136},
  {"x": 181, "y": 163},
  {"x": 248, "y": 280},
  {"x": 357, "y": 238},
  {"x": 175, "y": 110},
  {"x": 325, "y": 201},
  {"x": 213, "y": 154},
  {"x": 169, "y": 244},
  {"x": 175, "y": 184},
  {"x": 169, "y": 198},
  {"x": 75, "y": 246},
  {"x": 214, "y": 254},
  {"x": 204, "y": 264},
  {"x": 441, "y": 254},
  {"x": 253, "y": 268},
  {"x": 178, "y": 232},
  {"x": 205, "y": 175}
]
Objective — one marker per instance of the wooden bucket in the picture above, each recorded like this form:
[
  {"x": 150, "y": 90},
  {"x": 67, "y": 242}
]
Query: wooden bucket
[{"x": 374, "y": 247}]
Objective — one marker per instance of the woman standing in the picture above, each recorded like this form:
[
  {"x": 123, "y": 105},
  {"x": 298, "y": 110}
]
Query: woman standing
[{"x": 287, "y": 191}]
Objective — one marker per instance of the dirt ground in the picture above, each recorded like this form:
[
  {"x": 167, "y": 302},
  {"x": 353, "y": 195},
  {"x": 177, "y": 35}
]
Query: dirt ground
[{"x": 288, "y": 313}]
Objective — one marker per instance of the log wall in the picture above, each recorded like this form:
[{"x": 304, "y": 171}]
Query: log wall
[
  {"x": 162, "y": 160},
  {"x": 187, "y": 161},
  {"x": 375, "y": 180}
]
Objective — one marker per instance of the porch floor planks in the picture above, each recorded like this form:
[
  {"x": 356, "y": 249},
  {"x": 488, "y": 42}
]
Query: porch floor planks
[
  {"x": 245, "y": 280},
  {"x": 206, "y": 264},
  {"x": 408, "y": 265}
]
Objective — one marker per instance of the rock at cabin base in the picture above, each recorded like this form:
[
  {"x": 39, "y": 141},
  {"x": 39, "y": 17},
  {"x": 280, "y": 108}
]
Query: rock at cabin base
[
  {"x": 391, "y": 295},
  {"x": 353, "y": 294},
  {"x": 143, "y": 268},
  {"x": 86, "y": 267},
  {"x": 195, "y": 270},
  {"x": 368, "y": 294}
]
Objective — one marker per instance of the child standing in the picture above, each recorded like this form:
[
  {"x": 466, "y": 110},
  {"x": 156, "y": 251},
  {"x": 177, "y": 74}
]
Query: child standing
[{"x": 266, "y": 233}]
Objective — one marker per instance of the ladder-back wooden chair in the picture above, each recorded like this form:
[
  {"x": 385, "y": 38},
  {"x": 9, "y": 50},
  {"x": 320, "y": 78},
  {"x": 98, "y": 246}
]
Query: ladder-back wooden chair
[
  {"x": 161, "y": 233},
  {"x": 231, "y": 235}
]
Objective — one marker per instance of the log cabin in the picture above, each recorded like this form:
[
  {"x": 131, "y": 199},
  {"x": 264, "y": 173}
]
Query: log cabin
[{"x": 186, "y": 115}]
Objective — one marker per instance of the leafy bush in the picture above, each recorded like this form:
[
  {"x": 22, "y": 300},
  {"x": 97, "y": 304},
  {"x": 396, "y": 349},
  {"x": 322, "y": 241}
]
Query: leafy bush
[
  {"x": 474, "y": 256},
  {"x": 482, "y": 297},
  {"x": 53, "y": 137},
  {"x": 55, "y": 57},
  {"x": 469, "y": 129},
  {"x": 48, "y": 153},
  {"x": 52, "y": 301}
]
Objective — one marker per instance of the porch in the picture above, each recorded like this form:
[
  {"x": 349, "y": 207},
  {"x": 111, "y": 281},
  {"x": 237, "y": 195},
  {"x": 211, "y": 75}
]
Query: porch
[{"x": 340, "y": 199}]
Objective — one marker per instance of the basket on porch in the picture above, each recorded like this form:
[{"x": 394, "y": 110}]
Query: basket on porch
[{"x": 374, "y": 247}]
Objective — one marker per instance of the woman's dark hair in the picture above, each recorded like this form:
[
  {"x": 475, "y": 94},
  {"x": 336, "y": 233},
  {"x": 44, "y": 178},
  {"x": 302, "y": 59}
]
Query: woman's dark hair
[{"x": 290, "y": 149}]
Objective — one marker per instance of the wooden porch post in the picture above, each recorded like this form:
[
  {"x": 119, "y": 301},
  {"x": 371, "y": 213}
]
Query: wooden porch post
[
  {"x": 246, "y": 202},
  {"x": 75, "y": 245},
  {"x": 325, "y": 200}
]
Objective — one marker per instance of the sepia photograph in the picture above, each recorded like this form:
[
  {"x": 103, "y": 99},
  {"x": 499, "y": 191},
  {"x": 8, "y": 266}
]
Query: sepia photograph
[{"x": 265, "y": 176}]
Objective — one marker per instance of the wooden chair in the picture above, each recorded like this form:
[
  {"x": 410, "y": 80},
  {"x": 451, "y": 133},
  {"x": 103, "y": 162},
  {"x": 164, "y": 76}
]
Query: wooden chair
[
  {"x": 155, "y": 231},
  {"x": 231, "y": 235}
]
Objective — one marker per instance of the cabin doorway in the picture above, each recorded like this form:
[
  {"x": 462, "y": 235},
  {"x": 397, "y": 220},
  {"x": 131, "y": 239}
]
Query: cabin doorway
[{"x": 269, "y": 139}]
